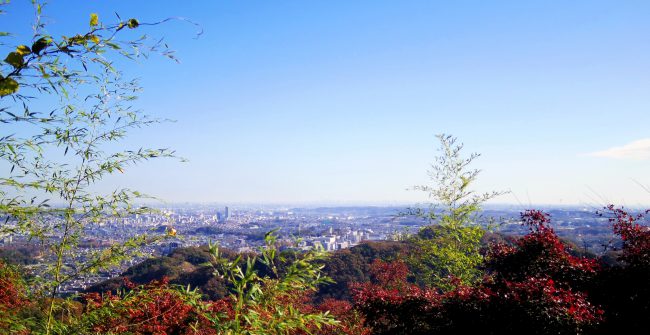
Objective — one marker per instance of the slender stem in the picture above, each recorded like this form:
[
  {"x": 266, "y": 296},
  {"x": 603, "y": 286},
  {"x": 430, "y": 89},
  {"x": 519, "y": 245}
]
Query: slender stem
[{"x": 60, "y": 248}]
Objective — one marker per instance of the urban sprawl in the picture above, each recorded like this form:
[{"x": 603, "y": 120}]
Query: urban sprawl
[{"x": 243, "y": 230}]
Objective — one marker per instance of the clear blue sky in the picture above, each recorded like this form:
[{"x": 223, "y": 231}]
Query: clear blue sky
[{"x": 339, "y": 101}]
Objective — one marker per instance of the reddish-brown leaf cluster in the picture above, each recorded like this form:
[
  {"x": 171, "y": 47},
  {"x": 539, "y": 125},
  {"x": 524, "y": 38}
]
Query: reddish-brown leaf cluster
[
  {"x": 531, "y": 287},
  {"x": 12, "y": 295},
  {"x": 152, "y": 309},
  {"x": 540, "y": 254},
  {"x": 350, "y": 321},
  {"x": 13, "y": 301},
  {"x": 635, "y": 237}
]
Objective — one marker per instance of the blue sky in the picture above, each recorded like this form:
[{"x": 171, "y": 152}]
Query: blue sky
[{"x": 339, "y": 101}]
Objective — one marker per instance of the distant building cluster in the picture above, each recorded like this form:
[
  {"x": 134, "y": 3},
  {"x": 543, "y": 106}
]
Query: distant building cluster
[
  {"x": 222, "y": 217},
  {"x": 332, "y": 241},
  {"x": 303, "y": 228}
]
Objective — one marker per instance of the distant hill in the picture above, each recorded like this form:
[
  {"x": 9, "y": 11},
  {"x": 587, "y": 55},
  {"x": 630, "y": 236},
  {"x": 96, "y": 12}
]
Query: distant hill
[
  {"x": 182, "y": 266},
  {"x": 20, "y": 254}
]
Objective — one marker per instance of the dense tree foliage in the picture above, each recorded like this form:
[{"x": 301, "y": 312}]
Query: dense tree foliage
[
  {"x": 534, "y": 286},
  {"x": 354, "y": 264},
  {"x": 531, "y": 284}
]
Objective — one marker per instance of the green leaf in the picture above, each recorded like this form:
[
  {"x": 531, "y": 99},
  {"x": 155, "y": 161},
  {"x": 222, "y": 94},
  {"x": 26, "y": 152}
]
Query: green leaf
[
  {"x": 40, "y": 44},
  {"x": 133, "y": 23},
  {"x": 113, "y": 45},
  {"x": 8, "y": 86},
  {"x": 15, "y": 59},
  {"x": 94, "y": 20}
]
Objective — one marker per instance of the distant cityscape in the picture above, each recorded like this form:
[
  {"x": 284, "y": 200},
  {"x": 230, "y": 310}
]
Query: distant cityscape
[{"x": 243, "y": 230}]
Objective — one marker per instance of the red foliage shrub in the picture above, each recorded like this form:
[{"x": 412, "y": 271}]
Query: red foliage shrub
[
  {"x": 12, "y": 294},
  {"x": 530, "y": 289},
  {"x": 635, "y": 237},
  {"x": 540, "y": 254},
  {"x": 392, "y": 305},
  {"x": 350, "y": 321},
  {"x": 624, "y": 289},
  {"x": 390, "y": 274},
  {"x": 152, "y": 309},
  {"x": 13, "y": 301}
]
